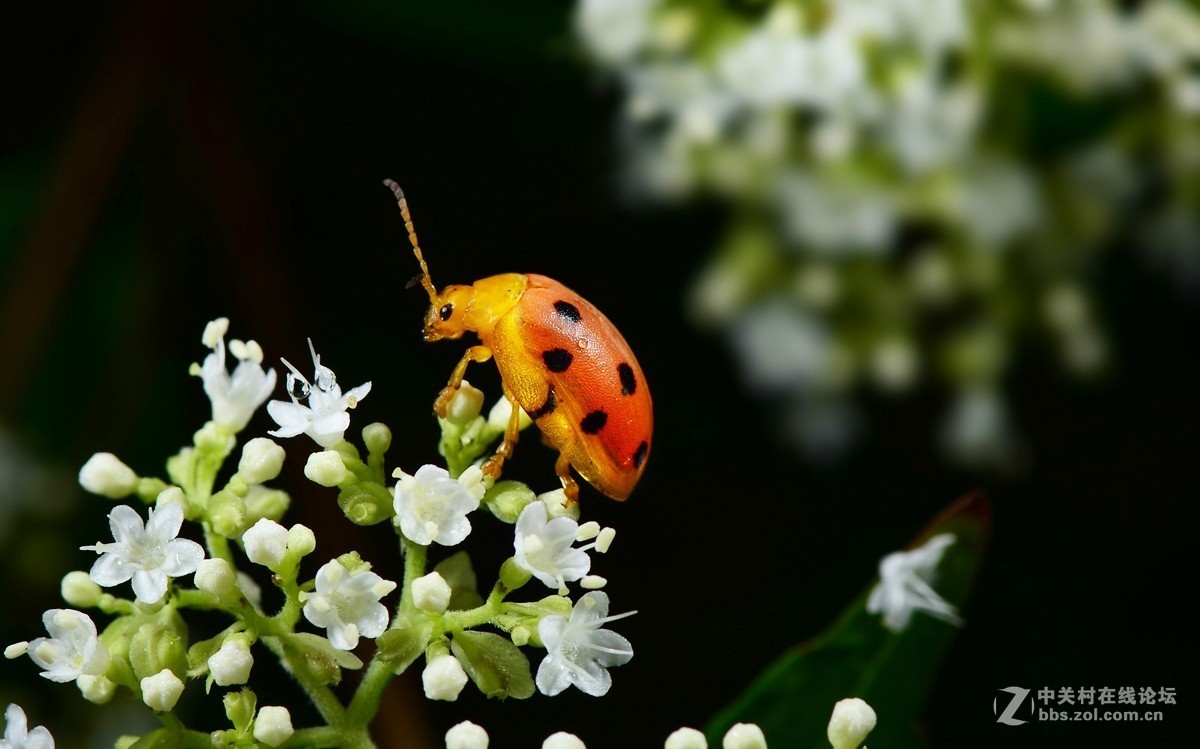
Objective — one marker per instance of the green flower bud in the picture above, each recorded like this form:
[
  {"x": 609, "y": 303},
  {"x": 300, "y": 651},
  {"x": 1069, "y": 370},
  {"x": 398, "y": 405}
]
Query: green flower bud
[
  {"x": 520, "y": 636},
  {"x": 239, "y": 708},
  {"x": 213, "y": 440},
  {"x": 262, "y": 502},
  {"x": 506, "y": 499},
  {"x": 227, "y": 514},
  {"x": 262, "y": 459},
  {"x": 215, "y": 576},
  {"x": 273, "y": 726},
  {"x": 326, "y": 468},
  {"x": 79, "y": 590},
  {"x": 377, "y": 437},
  {"x": 465, "y": 405},
  {"x": 366, "y": 503},
  {"x": 850, "y": 723},
  {"x": 148, "y": 489},
  {"x": 353, "y": 563},
  {"x": 300, "y": 541},
  {"x": 557, "y": 505},
  {"x": 179, "y": 466},
  {"x": 159, "y": 644},
  {"x": 96, "y": 689},
  {"x": 512, "y": 575}
]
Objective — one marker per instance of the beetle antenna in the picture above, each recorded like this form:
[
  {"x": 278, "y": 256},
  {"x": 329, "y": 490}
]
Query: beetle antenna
[{"x": 426, "y": 281}]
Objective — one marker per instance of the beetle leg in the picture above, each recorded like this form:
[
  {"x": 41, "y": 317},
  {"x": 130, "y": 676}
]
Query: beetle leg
[
  {"x": 512, "y": 433},
  {"x": 562, "y": 467},
  {"x": 473, "y": 354}
]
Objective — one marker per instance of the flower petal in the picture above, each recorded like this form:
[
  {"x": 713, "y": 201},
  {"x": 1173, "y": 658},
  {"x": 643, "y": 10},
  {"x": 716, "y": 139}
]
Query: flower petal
[
  {"x": 149, "y": 585},
  {"x": 126, "y": 524},
  {"x": 111, "y": 569},
  {"x": 183, "y": 557},
  {"x": 165, "y": 521}
]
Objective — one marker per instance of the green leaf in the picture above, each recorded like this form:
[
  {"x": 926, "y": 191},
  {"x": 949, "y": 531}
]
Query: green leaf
[
  {"x": 496, "y": 666},
  {"x": 404, "y": 643},
  {"x": 159, "y": 739},
  {"x": 857, "y": 657},
  {"x": 458, "y": 573}
]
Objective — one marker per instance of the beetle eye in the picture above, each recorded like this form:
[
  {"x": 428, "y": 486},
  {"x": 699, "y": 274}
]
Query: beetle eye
[{"x": 446, "y": 311}]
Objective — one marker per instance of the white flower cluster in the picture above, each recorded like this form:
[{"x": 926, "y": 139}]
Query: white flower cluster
[{"x": 885, "y": 156}]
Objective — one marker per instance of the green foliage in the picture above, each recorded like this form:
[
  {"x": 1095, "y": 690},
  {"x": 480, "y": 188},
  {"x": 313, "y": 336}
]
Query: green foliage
[{"x": 858, "y": 657}]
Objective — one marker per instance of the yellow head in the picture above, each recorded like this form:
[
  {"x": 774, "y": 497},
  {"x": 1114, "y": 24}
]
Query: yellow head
[{"x": 458, "y": 309}]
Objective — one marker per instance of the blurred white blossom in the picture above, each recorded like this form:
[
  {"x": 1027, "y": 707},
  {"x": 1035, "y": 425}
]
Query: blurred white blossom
[
  {"x": 17, "y": 734},
  {"x": 234, "y": 397},
  {"x": 906, "y": 585}
]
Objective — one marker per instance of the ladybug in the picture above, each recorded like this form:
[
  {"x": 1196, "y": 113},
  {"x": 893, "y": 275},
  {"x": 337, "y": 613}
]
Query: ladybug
[{"x": 560, "y": 359}]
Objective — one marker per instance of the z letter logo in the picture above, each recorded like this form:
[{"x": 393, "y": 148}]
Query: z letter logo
[{"x": 1018, "y": 696}]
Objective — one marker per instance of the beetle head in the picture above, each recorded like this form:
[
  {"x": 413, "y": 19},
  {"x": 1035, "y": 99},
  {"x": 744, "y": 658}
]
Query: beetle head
[{"x": 447, "y": 313}]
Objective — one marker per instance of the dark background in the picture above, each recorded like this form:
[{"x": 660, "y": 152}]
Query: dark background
[{"x": 167, "y": 163}]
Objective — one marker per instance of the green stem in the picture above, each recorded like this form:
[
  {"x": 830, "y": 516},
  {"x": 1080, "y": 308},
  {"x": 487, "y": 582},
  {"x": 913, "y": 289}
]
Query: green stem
[
  {"x": 367, "y": 697},
  {"x": 457, "y": 621},
  {"x": 322, "y": 697},
  {"x": 183, "y": 736},
  {"x": 326, "y": 736}
]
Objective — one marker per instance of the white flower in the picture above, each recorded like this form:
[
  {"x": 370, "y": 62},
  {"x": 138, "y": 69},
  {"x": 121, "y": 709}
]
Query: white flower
[
  {"x": 431, "y": 593},
  {"x": 17, "y": 734},
  {"x": 161, "y": 691},
  {"x": 106, "y": 475},
  {"x": 544, "y": 547},
  {"x": 324, "y": 418},
  {"x": 578, "y": 651},
  {"x": 273, "y": 726},
  {"x": 73, "y": 648},
  {"x": 768, "y": 68},
  {"x": 234, "y": 397},
  {"x": 231, "y": 664},
  {"x": 148, "y": 554},
  {"x": 432, "y": 507},
  {"x": 443, "y": 678},
  {"x": 466, "y": 735},
  {"x": 744, "y": 736},
  {"x": 563, "y": 740},
  {"x": 904, "y": 585},
  {"x": 347, "y": 604},
  {"x": 850, "y": 723},
  {"x": 615, "y": 30},
  {"x": 686, "y": 738},
  {"x": 262, "y": 459}
]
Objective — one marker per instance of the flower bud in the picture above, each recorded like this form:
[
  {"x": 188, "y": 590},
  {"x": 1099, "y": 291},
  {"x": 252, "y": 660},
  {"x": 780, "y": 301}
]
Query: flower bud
[
  {"x": 171, "y": 495},
  {"x": 466, "y": 735},
  {"x": 106, "y": 475},
  {"x": 231, "y": 664},
  {"x": 500, "y": 414},
  {"x": 262, "y": 459},
  {"x": 366, "y": 503},
  {"x": 262, "y": 502},
  {"x": 273, "y": 726},
  {"x": 377, "y": 437},
  {"x": 431, "y": 593},
  {"x": 161, "y": 691},
  {"x": 520, "y": 636},
  {"x": 444, "y": 678},
  {"x": 465, "y": 405},
  {"x": 506, "y": 499},
  {"x": 557, "y": 505},
  {"x": 78, "y": 589},
  {"x": 227, "y": 513},
  {"x": 744, "y": 736},
  {"x": 300, "y": 541},
  {"x": 96, "y": 689},
  {"x": 563, "y": 740},
  {"x": 239, "y": 708},
  {"x": 513, "y": 575},
  {"x": 215, "y": 576},
  {"x": 850, "y": 723},
  {"x": 686, "y": 738},
  {"x": 158, "y": 645},
  {"x": 326, "y": 468},
  {"x": 266, "y": 543}
]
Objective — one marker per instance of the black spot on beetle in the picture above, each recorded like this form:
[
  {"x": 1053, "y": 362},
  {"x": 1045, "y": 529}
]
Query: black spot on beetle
[
  {"x": 593, "y": 422},
  {"x": 639, "y": 455},
  {"x": 546, "y": 408},
  {"x": 557, "y": 359},
  {"x": 567, "y": 310},
  {"x": 628, "y": 381}
]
